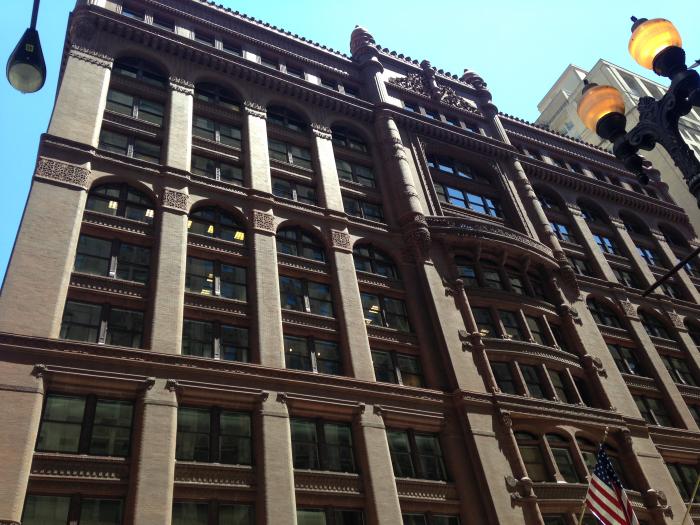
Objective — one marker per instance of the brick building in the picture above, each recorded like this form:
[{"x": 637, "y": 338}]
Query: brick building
[{"x": 259, "y": 281}]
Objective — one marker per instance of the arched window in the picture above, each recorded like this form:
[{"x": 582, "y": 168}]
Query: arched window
[
  {"x": 653, "y": 326},
  {"x": 281, "y": 116},
  {"x": 603, "y": 314},
  {"x": 140, "y": 69},
  {"x": 634, "y": 224},
  {"x": 370, "y": 260},
  {"x": 531, "y": 453},
  {"x": 592, "y": 215},
  {"x": 296, "y": 241},
  {"x": 215, "y": 222},
  {"x": 213, "y": 94},
  {"x": 121, "y": 200},
  {"x": 589, "y": 451},
  {"x": 347, "y": 138}
]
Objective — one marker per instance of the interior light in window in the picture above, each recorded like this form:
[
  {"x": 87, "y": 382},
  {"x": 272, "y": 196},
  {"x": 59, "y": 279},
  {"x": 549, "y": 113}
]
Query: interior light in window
[
  {"x": 149, "y": 213},
  {"x": 189, "y": 224},
  {"x": 113, "y": 205},
  {"x": 239, "y": 236},
  {"x": 374, "y": 308},
  {"x": 210, "y": 229}
]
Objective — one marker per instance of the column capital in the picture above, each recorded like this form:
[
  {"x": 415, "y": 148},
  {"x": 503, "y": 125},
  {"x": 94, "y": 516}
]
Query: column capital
[
  {"x": 175, "y": 200},
  {"x": 618, "y": 223},
  {"x": 181, "y": 85},
  {"x": 321, "y": 131},
  {"x": 263, "y": 222},
  {"x": 676, "y": 320},
  {"x": 91, "y": 56},
  {"x": 254, "y": 109},
  {"x": 340, "y": 240},
  {"x": 629, "y": 308},
  {"x": 63, "y": 172}
]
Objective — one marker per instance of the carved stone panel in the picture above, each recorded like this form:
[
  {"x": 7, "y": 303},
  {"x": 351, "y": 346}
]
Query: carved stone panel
[
  {"x": 254, "y": 109},
  {"x": 263, "y": 222},
  {"x": 182, "y": 86},
  {"x": 321, "y": 131},
  {"x": 340, "y": 240},
  {"x": 175, "y": 200},
  {"x": 62, "y": 172}
]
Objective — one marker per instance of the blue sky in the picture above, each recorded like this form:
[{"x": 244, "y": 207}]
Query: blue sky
[{"x": 519, "y": 47}]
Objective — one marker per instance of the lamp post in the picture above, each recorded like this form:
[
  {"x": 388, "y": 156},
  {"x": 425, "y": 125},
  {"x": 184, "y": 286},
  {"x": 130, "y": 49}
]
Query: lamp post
[
  {"x": 26, "y": 69},
  {"x": 655, "y": 44}
]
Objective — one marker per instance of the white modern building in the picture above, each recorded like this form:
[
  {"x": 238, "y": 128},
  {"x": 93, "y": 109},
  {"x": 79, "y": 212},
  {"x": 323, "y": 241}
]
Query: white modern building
[{"x": 558, "y": 112}]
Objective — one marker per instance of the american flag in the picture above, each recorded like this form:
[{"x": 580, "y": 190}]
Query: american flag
[{"x": 606, "y": 498}]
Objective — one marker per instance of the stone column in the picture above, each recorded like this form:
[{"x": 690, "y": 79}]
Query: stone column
[
  {"x": 382, "y": 499},
  {"x": 150, "y": 500},
  {"x": 637, "y": 262},
  {"x": 329, "y": 185},
  {"x": 82, "y": 96},
  {"x": 266, "y": 291},
  {"x": 179, "y": 131},
  {"x": 664, "y": 381},
  {"x": 276, "y": 496},
  {"x": 364, "y": 51},
  {"x": 586, "y": 236},
  {"x": 36, "y": 284},
  {"x": 350, "y": 314},
  {"x": 168, "y": 305},
  {"x": 257, "y": 156},
  {"x": 21, "y": 397},
  {"x": 682, "y": 276}
]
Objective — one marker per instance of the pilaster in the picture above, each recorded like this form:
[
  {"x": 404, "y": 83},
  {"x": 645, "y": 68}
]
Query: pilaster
[
  {"x": 36, "y": 284},
  {"x": 586, "y": 236},
  {"x": 82, "y": 96},
  {"x": 168, "y": 304},
  {"x": 256, "y": 152},
  {"x": 672, "y": 259},
  {"x": 179, "y": 132},
  {"x": 631, "y": 248},
  {"x": 329, "y": 185}
]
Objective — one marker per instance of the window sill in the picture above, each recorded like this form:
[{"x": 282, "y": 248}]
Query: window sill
[
  {"x": 114, "y": 221},
  {"x": 216, "y": 304},
  {"x": 391, "y": 335},
  {"x": 108, "y": 285},
  {"x": 219, "y": 149},
  {"x": 191, "y": 474},
  {"x": 79, "y": 468},
  {"x": 426, "y": 489},
  {"x": 309, "y": 320},
  {"x": 325, "y": 482}
]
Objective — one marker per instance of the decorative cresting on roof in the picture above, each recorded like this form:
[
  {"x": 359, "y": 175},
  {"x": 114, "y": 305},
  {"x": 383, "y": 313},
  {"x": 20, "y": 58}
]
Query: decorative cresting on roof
[
  {"x": 62, "y": 172},
  {"x": 426, "y": 84}
]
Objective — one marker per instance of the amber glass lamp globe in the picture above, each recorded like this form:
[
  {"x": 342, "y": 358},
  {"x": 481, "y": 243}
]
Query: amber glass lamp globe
[
  {"x": 650, "y": 38},
  {"x": 598, "y": 101}
]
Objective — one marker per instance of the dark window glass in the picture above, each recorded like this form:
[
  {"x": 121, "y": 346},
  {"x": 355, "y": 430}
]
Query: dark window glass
[
  {"x": 292, "y": 190},
  {"x": 329, "y": 516},
  {"x": 214, "y": 94},
  {"x": 215, "y": 278},
  {"x": 163, "y": 23},
  {"x": 290, "y": 153},
  {"x": 215, "y": 340},
  {"x": 533, "y": 381},
  {"x": 61, "y": 424},
  {"x": 111, "y": 428},
  {"x": 133, "y": 12},
  {"x": 81, "y": 321},
  {"x": 369, "y": 259},
  {"x": 318, "y": 445},
  {"x": 213, "y": 435},
  {"x": 135, "y": 106},
  {"x": 562, "y": 457},
  {"x": 232, "y": 48},
  {"x": 363, "y": 209},
  {"x": 536, "y": 329},
  {"x": 626, "y": 277},
  {"x": 504, "y": 377},
  {"x": 280, "y": 116},
  {"x": 141, "y": 70},
  {"x": 685, "y": 477},
  {"x": 269, "y": 61},
  {"x": 471, "y": 201},
  {"x": 603, "y": 314},
  {"x": 492, "y": 277},
  {"x": 193, "y": 434},
  {"x": 204, "y": 38},
  {"x": 209, "y": 129},
  {"x": 313, "y": 355},
  {"x": 484, "y": 321},
  {"x": 217, "y": 170},
  {"x": 532, "y": 457},
  {"x": 295, "y": 71},
  {"x": 305, "y": 296},
  {"x": 297, "y": 242},
  {"x": 46, "y": 510},
  {"x": 679, "y": 370},
  {"x": 653, "y": 326},
  {"x": 348, "y": 139},
  {"x": 416, "y": 454},
  {"x": 558, "y": 383},
  {"x": 214, "y": 222},
  {"x": 402, "y": 369},
  {"x": 650, "y": 256},
  {"x": 354, "y": 172},
  {"x": 130, "y": 146},
  {"x": 653, "y": 410},
  {"x": 124, "y": 327},
  {"x": 467, "y": 272},
  {"x": 625, "y": 359},
  {"x": 93, "y": 255},
  {"x": 511, "y": 325}
]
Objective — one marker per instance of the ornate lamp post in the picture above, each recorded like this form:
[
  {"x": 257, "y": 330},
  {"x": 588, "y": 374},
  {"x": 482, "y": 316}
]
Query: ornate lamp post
[
  {"x": 655, "y": 44},
  {"x": 26, "y": 69}
]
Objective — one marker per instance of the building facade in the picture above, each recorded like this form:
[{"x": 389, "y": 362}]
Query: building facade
[
  {"x": 258, "y": 281},
  {"x": 558, "y": 112}
]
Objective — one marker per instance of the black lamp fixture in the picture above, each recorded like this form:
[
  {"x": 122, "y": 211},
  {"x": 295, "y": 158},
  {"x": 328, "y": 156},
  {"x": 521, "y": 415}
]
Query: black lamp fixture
[
  {"x": 655, "y": 44},
  {"x": 26, "y": 69}
]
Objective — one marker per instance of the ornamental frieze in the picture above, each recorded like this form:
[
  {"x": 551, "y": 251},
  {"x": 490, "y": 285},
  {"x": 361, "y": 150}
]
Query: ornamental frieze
[
  {"x": 62, "y": 172},
  {"x": 418, "y": 84}
]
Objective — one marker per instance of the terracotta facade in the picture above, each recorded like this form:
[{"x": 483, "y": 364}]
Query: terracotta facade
[{"x": 276, "y": 240}]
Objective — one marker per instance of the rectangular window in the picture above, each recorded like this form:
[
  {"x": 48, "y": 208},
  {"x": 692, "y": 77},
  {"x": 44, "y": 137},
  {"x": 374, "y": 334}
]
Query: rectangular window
[
  {"x": 102, "y": 324},
  {"x": 215, "y": 341},
  {"x": 232, "y": 48},
  {"x": 416, "y": 455},
  {"x": 536, "y": 330},
  {"x": 305, "y": 296},
  {"x": 329, "y": 516},
  {"x": 286, "y": 152},
  {"x": 209, "y": 129},
  {"x": 353, "y": 172},
  {"x": 385, "y": 311},
  {"x": 581, "y": 266},
  {"x": 650, "y": 256},
  {"x": 294, "y": 191},
  {"x": 605, "y": 244},
  {"x": 313, "y": 355},
  {"x": 562, "y": 232},
  {"x": 212, "y": 435},
  {"x": 124, "y": 327},
  {"x": 85, "y": 425},
  {"x": 625, "y": 360},
  {"x": 653, "y": 410},
  {"x": 429, "y": 519},
  {"x": 467, "y": 272},
  {"x": 492, "y": 278},
  {"x": 504, "y": 377},
  {"x": 269, "y": 61},
  {"x": 79, "y": 510},
  {"x": 401, "y": 369},
  {"x": 679, "y": 370},
  {"x": 511, "y": 325},
  {"x": 533, "y": 381},
  {"x": 217, "y": 170},
  {"x": 484, "y": 321},
  {"x": 163, "y": 23},
  {"x": 81, "y": 322},
  {"x": 204, "y": 38},
  {"x": 196, "y": 513},
  {"x": 295, "y": 71},
  {"x": 93, "y": 255},
  {"x": 558, "y": 382},
  {"x": 318, "y": 445},
  {"x": 626, "y": 277},
  {"x": 685, "y": 477},
  {"x": 363, "y": 209},
  {"x": 134, "y": 106},
  {"x": 129, "y": 146},
  {"x": 410, "y": 106},
  {"x": 215, "y": 278}
]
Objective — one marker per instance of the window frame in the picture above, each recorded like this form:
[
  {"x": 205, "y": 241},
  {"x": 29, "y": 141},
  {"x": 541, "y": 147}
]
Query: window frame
[
  {"x": 306, "y": 298},
  {"x": 218, "y": 347},
  {"x": 321, "y": 444},
  {"x": 103, "y": 330},
  {"x": 219, "y": 165},
  {"x": 394, "y": 359},
  {"x": 312, "y": 353},
  {"x": 131, "y": 141},
  {"x": 417, "y": 466},
  {"x": 217, "y": 278},
  {"x": 137, "y": 102},
  {"x": 114, "y": 264},
  {"x": 381, "y": 300}
]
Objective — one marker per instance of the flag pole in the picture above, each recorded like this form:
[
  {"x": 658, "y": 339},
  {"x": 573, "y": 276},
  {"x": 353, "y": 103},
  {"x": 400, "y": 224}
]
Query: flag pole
[
  {"x": 692, "y": 499},
  {"x": 583, "y": 507}
]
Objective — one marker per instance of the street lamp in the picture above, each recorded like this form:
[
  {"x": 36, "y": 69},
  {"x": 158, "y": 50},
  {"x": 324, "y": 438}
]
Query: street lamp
[
  {"x": 26, "y": 69},
  {"x": 655, "y": 44}
]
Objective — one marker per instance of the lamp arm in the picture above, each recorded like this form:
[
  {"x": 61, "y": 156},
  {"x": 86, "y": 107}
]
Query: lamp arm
[{"x": 35, "y": 14}]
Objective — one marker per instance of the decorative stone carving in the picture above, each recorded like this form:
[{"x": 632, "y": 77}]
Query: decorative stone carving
[
  {"x": 264, "y": 222},
  {"x": 254, "y": 109},
  {"x": 473, "y": 78},
  {"x": 519, "y": 488},
  {"x": 656, "y": 499},
  {"x": 340, "y": 240},
  {"x": 172, "y": 385},
  {"x": 62, "y": 172},
  {"x": 427, "y": 86},
  {"x": 175, "y": 200},
  {"x": 91, "y": 56},
  {"x": 595, "y": 364},
  {"x": 321, "y": 131},
  {"x": 506, "y": 419},
  {"x": 39, "y": 370},
  {"x": 360, "y": 40},
  {"x": 676, "y": 320},
  {"x": 418, "y": 240},
  {"x": 216, "y": 475},
  {"x": 182, "y": 86},
  {"x": 629, "y": 308},
  {"x": 327, "y": 482}
]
